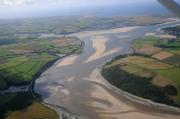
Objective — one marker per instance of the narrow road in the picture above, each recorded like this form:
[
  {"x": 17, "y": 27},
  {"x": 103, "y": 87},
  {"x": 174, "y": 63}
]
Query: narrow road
[{"x": 75, "y": 81}]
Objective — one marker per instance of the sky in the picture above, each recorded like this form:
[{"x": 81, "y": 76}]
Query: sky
[
  {"x": 64, "y": 2},
  {"x": 34, "y": 8}
]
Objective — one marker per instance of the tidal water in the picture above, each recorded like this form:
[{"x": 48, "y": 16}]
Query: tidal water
[{"x": 75, "y": 83}]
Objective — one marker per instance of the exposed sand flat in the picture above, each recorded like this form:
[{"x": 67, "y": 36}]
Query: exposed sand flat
[
  {"x": 101, "y": 93},
  {"x": 67, "y": 61},
  {"x": 113, "y": 108},
  {"x": 150, "y": 34},
  {"x": 135, "y": 114},
  {"x": 114, "y": 50},
  {"x": 76, "y": 84},
  {"x": 166, "y": 36},
  {"x": 70, "y": 79},
  {"x": 101, "y": 32},
  {"x": 99, "y": 44},
  {"x": 122, "y": 36}
]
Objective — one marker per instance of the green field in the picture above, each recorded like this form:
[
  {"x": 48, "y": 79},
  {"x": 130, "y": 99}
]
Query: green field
[
  {"x": 23, "y": 106},
  {"x": 149, "y": 40},
  {"x": 152, "y": 72},
  {"x": 22, "y": 60},
  {"x": 174, "y": 60},
  {"x": 66, "y": 25},
  {"x": 23, "y": 54}
]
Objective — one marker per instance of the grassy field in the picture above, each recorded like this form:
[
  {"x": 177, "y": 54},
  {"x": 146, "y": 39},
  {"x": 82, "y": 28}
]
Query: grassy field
[
  {"x": 24, "y": 59},
  {"x": 66, "y": 25},
  {"x": 20, "y": 62},
  {"x": 169, "y": 54},
  {"x": 23, "y": 106},
  {"x": 152, "y": 72},
  {"x": 23, "y": 53}
]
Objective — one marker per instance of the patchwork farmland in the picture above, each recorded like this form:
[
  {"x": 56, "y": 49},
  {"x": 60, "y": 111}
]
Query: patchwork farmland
[
  {"x": 20, "y": 62},
  {"x": 154, "y": 67}
]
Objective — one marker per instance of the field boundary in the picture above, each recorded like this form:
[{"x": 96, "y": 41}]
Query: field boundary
[
  {"x": 134, "y": 98},
  {"x": 64, "y": 113}
]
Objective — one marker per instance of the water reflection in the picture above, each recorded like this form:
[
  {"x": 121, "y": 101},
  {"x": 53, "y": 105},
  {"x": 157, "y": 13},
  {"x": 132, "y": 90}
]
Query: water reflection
[{"x": 172, "y": 5}]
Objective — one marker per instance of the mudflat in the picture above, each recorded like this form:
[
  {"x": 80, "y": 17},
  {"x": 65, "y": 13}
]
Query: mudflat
[{"x": 76, "y": 84}]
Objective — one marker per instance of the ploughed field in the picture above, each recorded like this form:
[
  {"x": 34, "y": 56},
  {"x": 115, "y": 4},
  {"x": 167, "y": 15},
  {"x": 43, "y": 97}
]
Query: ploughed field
[
  {"x": 20, "y": 62},
  {"x": 152, "y": 72}
]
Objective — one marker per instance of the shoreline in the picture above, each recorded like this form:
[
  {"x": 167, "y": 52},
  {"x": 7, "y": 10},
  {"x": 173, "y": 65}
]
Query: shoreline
[
  {"x": 31, "y": 87},
  {"x": 132, "y": 97},
  {"x": 137, "y": 99},
  {"x": 64, "y": 113},
  {"x": 56, "y": 107}
]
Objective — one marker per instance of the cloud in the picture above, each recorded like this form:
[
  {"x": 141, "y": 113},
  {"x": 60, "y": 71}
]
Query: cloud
[
  {"x": 26, "y": 2},
  {"x": 15, "y": 2}
]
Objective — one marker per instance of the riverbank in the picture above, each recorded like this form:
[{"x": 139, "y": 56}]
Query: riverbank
[
  {"x": 21, "y": 92},
  {"x": 23, "y": 106},
  {"x": 138, "y": 76},
  {"x": 129, "y": 94},
  {"x": 64, "y": 113},
  {"x": 75, "y": 79}
]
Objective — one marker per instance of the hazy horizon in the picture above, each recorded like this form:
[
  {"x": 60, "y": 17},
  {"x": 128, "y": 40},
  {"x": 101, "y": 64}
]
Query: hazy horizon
[{"x": 47, "y": 8}]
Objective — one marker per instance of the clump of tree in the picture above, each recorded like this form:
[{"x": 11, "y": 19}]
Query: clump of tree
[
  {"x": 173, "y": 30},
  {"x": 139, "y": 86}
]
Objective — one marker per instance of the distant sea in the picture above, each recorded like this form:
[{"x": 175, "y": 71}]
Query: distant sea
[
  {"x": 149, "y": 8},
  {"x": 145, "y": 7}
]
